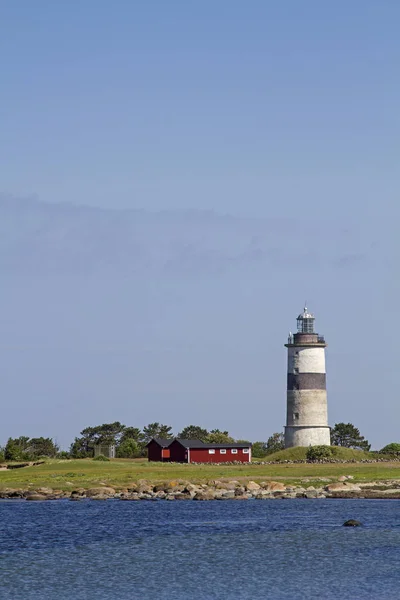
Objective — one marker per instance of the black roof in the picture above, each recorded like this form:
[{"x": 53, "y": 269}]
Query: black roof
[
  {"x": 190, "y": 443},
  {"x": 163, "y": 442},
  {"x": 200, "y": 444}
]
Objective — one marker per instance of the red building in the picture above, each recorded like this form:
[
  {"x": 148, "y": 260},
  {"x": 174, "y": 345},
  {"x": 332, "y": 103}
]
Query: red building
[
  {"x": 157, "y": 449},
  {"x": 195, "y": 451}
]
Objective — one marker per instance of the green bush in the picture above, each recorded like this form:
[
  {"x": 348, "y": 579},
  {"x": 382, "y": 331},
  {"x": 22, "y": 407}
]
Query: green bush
[
  {"x": 129, "y": 448},
  {"x": 318, "y": 452},
  {"x": 102, "y": 458},
  {"x": 392, "y": 448},
  {"x": 64, "y": 455}
]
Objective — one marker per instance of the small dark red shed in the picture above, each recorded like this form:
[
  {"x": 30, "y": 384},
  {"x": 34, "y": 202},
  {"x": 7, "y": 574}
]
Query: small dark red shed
[{"x": 157, "y": 449}]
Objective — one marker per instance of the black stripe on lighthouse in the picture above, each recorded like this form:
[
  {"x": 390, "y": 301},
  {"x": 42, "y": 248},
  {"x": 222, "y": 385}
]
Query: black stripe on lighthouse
[{"x": 306, "y": 381}]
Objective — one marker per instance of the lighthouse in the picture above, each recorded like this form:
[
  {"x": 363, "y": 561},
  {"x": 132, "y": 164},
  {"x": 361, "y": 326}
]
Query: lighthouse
[{"x": 307, "y": 406}]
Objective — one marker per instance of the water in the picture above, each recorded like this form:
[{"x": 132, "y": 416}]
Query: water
[{"x": 285, "y": 550}]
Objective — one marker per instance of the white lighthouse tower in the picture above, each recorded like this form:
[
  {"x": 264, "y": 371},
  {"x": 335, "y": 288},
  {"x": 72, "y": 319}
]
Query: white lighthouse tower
[{"x": 307, "y": 407}]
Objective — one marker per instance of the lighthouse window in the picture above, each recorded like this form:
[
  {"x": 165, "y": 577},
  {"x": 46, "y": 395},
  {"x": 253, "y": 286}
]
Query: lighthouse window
[
  {"x": 296, "y": 416},
  {"x": 296, "y": 370}
]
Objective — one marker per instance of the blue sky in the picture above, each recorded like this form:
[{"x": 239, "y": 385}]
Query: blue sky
[
  {"x": 262, "y": 110},
  {"x": 243, "y": 107}
]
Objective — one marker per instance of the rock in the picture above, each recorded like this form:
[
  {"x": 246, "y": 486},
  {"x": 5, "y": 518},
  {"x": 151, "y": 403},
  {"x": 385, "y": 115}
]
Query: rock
[
  {"x": 263, "y": 495},
  {"x": 370, "y": 484},
  {"x": 145, "y": 489},
  {"x": 192, "y": 489},
  {"x": 173, "y": 484},
  {"x": 133, "y": 488},
  {"x": 44, "y": 491},
  {"x": 160, "y": 494},
  {"x": 77, "y": 494},
  {"x": 142, "y": 482},
  {"x": 34, "y": 497},
  {"x": 342, "y": 478},
  {"x": 227, "y": 494},
  {"x": 225, "y": 485},
  {"x": 11, "y": 493},
  {"x": 275, "y": 486},
  {"x": 310, "y": 493},
  {"x": 130, "y": 497},
  {"x": 252, "y": 485},
  {"x": 352, "y": 523},
  {"x": 145, "y": 496},
  {"x": 100, "y": 491},
  {"x": 342, "y": 487},
  {"x": 160, "y": 487},
  {"x": 205, "y": 495}
]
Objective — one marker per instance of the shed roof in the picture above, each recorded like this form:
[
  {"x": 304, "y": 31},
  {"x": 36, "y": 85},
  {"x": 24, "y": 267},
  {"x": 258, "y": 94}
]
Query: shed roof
[
  {"x": 163, "y": 442},
  {"x": 200, "y": 444}
]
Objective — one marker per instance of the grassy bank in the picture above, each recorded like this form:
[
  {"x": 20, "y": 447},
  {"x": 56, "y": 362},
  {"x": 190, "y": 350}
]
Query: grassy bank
[
  {"x": 71, "y": 474},
  {"x": 300, "y": 453}
]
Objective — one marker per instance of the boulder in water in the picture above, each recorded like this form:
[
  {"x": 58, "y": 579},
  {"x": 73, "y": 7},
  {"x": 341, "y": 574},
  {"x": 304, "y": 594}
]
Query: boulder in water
[{"x": 352, "y": 523}]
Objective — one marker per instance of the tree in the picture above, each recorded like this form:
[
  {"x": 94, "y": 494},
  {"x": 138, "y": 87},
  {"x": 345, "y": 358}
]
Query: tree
[
  {"x": 42, "y": 447},
  {"x": 156, "y": 430},
  {"x": 219, "y": 437},
  {"x": 393, "y": 448},
  {"x": 259, "y": 450},
  {"x": 107, "y": 434},
  {"x": 129, "y": 448},
  {"x": 130, "y": 433},
  {"x": 81, "y": 448},
  {"x": 275, "y": 443},
  {"x": 25, "y": 448},
  {"x": 348, "y": 436},
  {"x": 16, "y": 448},
  {"x": 193, "y": 432}
]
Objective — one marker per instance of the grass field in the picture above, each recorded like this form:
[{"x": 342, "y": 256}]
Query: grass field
[{"x": 71, "y": 474}]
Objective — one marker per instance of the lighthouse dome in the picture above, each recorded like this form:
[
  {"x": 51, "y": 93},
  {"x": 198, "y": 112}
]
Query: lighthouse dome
[
  {"x": 305, "y": 322},
  {"x": 305, "y": 314}
]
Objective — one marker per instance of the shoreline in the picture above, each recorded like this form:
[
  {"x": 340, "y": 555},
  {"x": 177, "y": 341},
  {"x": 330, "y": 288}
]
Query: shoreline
[{"x": 178, "y": 490}]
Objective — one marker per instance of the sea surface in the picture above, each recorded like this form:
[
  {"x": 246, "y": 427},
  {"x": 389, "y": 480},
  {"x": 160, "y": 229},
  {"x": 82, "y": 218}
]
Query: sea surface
[{"x": 250, "y": 550}]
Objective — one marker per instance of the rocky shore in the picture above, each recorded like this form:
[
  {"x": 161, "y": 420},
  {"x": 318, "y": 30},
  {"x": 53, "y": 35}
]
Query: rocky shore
[{"x": 343, "y": 487}]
